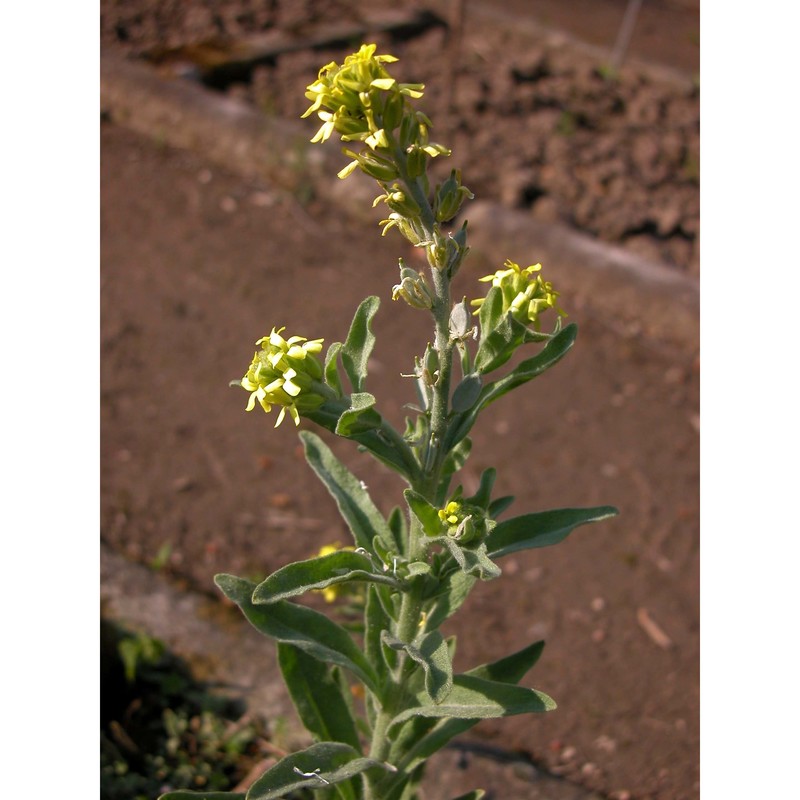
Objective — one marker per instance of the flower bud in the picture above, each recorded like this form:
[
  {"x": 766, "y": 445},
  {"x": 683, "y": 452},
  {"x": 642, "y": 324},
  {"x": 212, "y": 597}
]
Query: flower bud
[
  {"x": 449, "y": 197},
  {"x": 413, "y": 288}
]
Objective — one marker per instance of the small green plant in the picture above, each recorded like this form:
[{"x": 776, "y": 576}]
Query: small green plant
[
  {"x": 160, "y": 728},
  {"x": 380, "y": 702}
]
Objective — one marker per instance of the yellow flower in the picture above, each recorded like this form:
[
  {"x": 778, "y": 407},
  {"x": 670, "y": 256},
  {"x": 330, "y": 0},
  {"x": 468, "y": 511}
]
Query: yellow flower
[
  {"x": 525, "y": 293},
  {"x": 359, "y": 98},
  {"x": 283, "y": 373}
]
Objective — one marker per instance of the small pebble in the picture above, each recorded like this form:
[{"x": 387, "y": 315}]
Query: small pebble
[
  {"x": 568, "y": 753},
  {"x": 609, "y": 470},
  {"x": 598, "y": 604},
  {"x": 204, "y": 176},
  {"x": 228, "y": 204},
  {"x": 598, "y": 635}
]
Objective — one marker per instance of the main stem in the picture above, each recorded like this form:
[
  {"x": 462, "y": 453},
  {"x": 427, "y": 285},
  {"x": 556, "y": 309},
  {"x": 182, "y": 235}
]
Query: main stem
[{"x": 408, "y": 622}]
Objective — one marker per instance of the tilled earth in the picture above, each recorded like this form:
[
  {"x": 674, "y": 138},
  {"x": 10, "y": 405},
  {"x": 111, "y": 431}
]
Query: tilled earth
[
  {"x": 198, "y": 263},
  {"x": 542, "y": 125}
]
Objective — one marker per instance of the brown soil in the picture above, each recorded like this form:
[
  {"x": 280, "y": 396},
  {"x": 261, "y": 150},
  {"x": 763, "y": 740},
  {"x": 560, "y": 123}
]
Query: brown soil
[{"x": 198, "y": 263}]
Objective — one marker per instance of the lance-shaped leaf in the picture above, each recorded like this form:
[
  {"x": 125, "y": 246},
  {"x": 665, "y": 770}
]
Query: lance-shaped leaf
[
  {"x": 377, "y": 621},
  {"x": 399, "y": 529},
  {"x": 466, "y": 393},
  {"x": 450, "y": 594},
  {"x": 478, "y": 698},
  {"x": 317, "y": 697},
  {"x": 541, "y": 529},
  {"x": 359, "y": 343},
  {"x": 427, "y": 514},
  {"x": 302, "y": 627},
  {"x": 331, "y": 370},
  {"x": 318, "y": 573},
  {"x": 323, "y": 764},
  {"x": 388, "y": 449},
  {"x": 551, "y": 353},
  {"x": 188, "y": 794},
  {"x": 498, "y": 347},
  {"x": 453, "y": 462},
  {"x": 355, "y": 504},
  {"x": 433, "y": 656},
  {"x": 430, "y": 738}
]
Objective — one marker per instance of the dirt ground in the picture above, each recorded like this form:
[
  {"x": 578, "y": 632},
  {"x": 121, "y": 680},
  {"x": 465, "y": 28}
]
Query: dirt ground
[{"x": 199, "y": 262}]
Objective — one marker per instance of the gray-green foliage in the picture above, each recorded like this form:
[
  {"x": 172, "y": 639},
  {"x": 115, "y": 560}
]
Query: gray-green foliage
[{"x": 415, "y": 568}]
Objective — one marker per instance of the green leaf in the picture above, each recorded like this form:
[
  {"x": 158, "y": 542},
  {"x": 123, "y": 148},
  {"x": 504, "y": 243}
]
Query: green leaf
[
  {"x": 399, "y": 529},
  {"x": 360, "y": 341},
  {"x": 472, "y": 560},
  {"x": 377, "y": 621},
  {"x": 550, "y": 355},
  {"x": 355, "y": 504},
  {"x": 451, "y": 592},
  {"x": 454, "y": 461},
  {"x": 476, "y": 794},
  {"x": 466, "y": 393},
  {"x": 484, "y": 494},
  {"x": 302, "y": 627},
  {"x": 374, "y": 440},
  {"x": 434, "y": 658},
  {"x": 186, "y": 794},
  {"x": 331, "y": 371},
  {"x": 478, "y": 698},
  {"x": 323, "y": 764},
  {"x": 317, "y": 696},
  {"x": 501, "y": 343},
  {"x": 541, "y": 529},
  {"x": 427, "y": 514},
  {"x": 461, "y": 424},
  {"x": 317, "y": 573},
  {"x": 430, "y": 739},
  {"x": 361, "y": 417},
  {"x": 512, "y": 668},
  {"x": 498, "y": 506}
]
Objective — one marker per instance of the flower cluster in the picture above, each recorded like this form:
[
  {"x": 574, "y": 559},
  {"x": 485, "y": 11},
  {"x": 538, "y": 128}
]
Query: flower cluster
[
  {"x": 465, "y": 522},
  {"x": 525, "y": 293},
  {"x": 352, "y": 94},
  {"x": 362, "y": 102},
  {"x": 284, "y": 373}
]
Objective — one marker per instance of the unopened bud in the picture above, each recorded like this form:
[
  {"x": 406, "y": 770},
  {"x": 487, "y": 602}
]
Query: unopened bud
[
  {"x": 413, "y": 288},
  {"x": 449, "y": 197}
]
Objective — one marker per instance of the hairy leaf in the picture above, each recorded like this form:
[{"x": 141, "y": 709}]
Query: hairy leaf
[
  {"x": 433, "y": 656},
  {"x": 317, "y": 573},
  {"x": 359, "y": 343},
  {"x": 317, "y": 696},
  {"x": 541, "y": 529},
  {"x": 302, "y": 627},
  {"x": 323, "y": 764},
  {"x": 352, "y": 498}
]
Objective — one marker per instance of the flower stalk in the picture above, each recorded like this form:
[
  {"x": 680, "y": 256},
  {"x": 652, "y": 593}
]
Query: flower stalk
[{"x": 413, "y": 569}]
